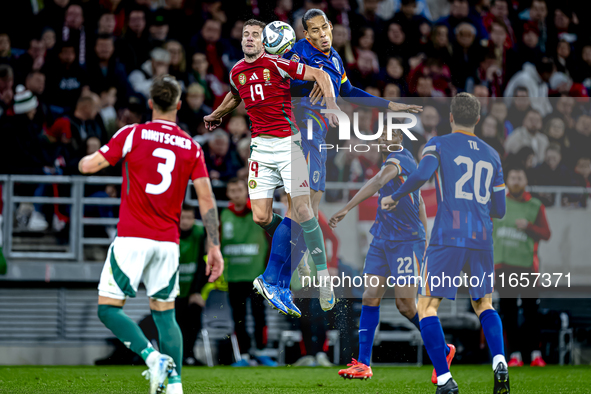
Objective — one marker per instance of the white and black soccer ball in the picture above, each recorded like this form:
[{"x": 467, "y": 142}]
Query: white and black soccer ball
[{"x": 278, "y": 38}]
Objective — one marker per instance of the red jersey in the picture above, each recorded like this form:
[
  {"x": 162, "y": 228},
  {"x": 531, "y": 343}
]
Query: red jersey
[
  {"x": 264, "y": 87},
  {"x": 159, "y": 159}
]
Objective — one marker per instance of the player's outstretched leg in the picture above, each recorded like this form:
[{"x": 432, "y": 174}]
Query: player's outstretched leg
[
  {"x": 170, "y": 339},
  {"x": 298, "y": 248},
  {"x": 368, "y": 322},
  {"x": 128, "y": 332},
  {"x": 315, "y": 242},
  {"x": 493, "y": 331}
]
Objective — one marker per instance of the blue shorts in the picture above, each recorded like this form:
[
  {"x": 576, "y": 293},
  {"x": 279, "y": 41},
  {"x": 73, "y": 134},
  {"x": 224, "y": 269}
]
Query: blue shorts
[
  {"x": 444, "y": 263},
  {"x": 394, "y": 258},
  {"x": 316, "y": 160}
]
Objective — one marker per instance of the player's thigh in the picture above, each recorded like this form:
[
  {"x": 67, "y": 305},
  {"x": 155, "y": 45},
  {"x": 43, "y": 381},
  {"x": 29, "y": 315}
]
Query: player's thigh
[
  {"x": 292, "y": 166},
  {"x": 123, "y": 269},
  {"x": 404, "y": 259},
  {"x": 480, "y": 271},
  {"x": 161, "y": 275},
  {"x": 375, "y": 287},
  {"x": 441, "y": 265},
  {"x": 263, "y": 173},
  {"x": 315, "y": 197}
]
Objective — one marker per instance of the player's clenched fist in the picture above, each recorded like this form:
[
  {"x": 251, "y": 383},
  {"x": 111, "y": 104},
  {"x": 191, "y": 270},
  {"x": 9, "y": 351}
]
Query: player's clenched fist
[
  {"x": 337, "y": 217},
  {"x": 388, "y": 204},
  {"x": 211, "y": 122}
]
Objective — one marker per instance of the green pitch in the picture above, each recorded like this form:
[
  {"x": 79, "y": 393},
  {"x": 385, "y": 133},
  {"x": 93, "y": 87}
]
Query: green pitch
[{"x": 408, "y": 380}]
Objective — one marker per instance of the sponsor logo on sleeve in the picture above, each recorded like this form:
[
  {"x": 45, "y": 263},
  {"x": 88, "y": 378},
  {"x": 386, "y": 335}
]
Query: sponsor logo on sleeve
[
  {"x": 300, "y": 68},
  {"x": 295, "y": 58}
]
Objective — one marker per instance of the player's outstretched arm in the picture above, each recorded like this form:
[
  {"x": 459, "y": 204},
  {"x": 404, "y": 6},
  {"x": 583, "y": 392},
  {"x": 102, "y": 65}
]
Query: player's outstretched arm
[
  {"x": 422, "y": 174},
  {"x": 325, "y": 84},
  {"x": 209, "y": 216},
  {"x": 372, "y": 186},
  {"x": 92, "y": 163},
  {"x": 213, "y": 120}
]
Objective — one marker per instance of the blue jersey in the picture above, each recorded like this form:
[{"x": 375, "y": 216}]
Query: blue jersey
[
  {"x": 304, "y": 52},
  {"x": 469, "y": 173},
  {"x": 403, "y": 223}
]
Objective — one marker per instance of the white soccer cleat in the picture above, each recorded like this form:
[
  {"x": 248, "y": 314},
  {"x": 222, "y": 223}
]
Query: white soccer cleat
[
  {"x": 160, "y": 366},
  {"x": 326, "y": 297},
  {"x": 174, "y": 388},
  {"x": 303, "y": 267}
]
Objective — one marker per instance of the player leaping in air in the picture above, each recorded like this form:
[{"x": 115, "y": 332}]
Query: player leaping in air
[
  {"x": 159, "y": 159},
  {"x": 316, "y": 50},
  {"x": 470, "y": 190},
  {"x": 396, "y": 250},
  {"x": 276, "y": 159}
]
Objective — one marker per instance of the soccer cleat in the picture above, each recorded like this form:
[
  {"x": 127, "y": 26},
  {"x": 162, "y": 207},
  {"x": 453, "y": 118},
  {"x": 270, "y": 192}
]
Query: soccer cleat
[
  {"x": 356, "y": 370},
  {"x": 451, "y": 387},
  {"x": 515, "y": 360},
  {"x": 158, "y": 371},
  {"x": 501, "y": 379},
  {"x": 242, "y": 363},
  {"x": 303, "y": 267},
  {"x": 326, "y": 297},
  {"x": 449, "y": 358},
  {"x": 270, "y": 293},
  {"x": 266, "y": 361},
  {"x": 287, "y": 299},
  {"x": 537, "y": 362}
]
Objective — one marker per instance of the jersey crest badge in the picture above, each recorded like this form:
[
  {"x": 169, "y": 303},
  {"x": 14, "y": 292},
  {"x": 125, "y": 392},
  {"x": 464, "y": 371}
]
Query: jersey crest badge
[
  {"x": 316, "y": 176},
  {"x": 242, "y": 79},
  {"x": 336, "y": 63},
  {"x": 252, "y": 183},
  {"x": 266, "y": 74},
  {"x": 295, "y": 58}
]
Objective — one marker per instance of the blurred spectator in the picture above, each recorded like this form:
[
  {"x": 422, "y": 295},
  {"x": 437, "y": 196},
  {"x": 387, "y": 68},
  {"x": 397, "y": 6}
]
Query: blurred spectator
[
  {"x": 73, "y": 130},
  {"x": 208, "y": 42},
  {"x": 73, "y": 32},
  {"x": 537, "y": 13},
  {"x": 341, "y": 42},
  {"x": 199, "y": 73},
  {"x": 552, "y": 172},
  {"x": 491, "y": 131},
  {"x": 107, "y": 24},
  {"x": 134, "y": 48},
  {"x": 238, "y": 128},
  {"x": 520, "y": 105},
  {"x": 107, "y": 114},
  {"x": 52, "y": 15},
  {"x": 584, "y": 67},
  {"x": 105, "y": 70},
  {"x": 563, "y": 109},
  {"x": 410, "y": 22},
  {"x": 35, "y": 82},
  {"x": 141, "y": 79},
  {"x": 581, "y": 136},
  {"x": 49, "y": 39},
  {"x": 6, "y": 54},
  {"x": 529, "y": 49},
  {"x": 501, "y": 48},
  {"x": 499, "y": 10},
  {"x": 530, "y": 135},
  {"x": 564, "y": 62},
  {"x": 581, "y": 177},
  {"x": 366, "y": 39},
  {"x": 396, "y": 45},
  {"x": 189, "y": 303},
  {"x": 366, "y": 69},
  {"x": 439, "y": 46},
  {"x": 245, "y": 248},
  {"x": 498, "y": 109},
  {"x": 222, "y": 162},
  {"x": 460, "y": 12},
  {"x": 394, "y": 73},
  {"x": 158, "y": 30},
  {"x": 65, "y": 80},
  {"x": 193, "y": 109},
  {"x": 465, "y": 54},
  {"x": 391, "y": 91},
  {"x": 370, "y": 16},
  {"x": 32, "y": 60},
  {"x": 535, "y": 80},
  {"x": 243, "y": 149},
  {"x": 180, "y": 25},
  {"x": 555, "y": 129},
  {"x": 233, "y": 52},
  {"x": 178, "y": 62},
  {"x": 429, "y": 120},
  {"x": 6, "y": 84}
]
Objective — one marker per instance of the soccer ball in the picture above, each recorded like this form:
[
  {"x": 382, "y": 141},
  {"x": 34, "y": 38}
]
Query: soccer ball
[{"x": 278, "y": 38}]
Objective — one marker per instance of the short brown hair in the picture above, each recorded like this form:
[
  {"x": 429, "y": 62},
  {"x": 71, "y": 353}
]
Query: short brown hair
[
  {"x": 165, "y": 93},
  {"x": 465, "y": 109},
  {"x": 254, "y": 22}
]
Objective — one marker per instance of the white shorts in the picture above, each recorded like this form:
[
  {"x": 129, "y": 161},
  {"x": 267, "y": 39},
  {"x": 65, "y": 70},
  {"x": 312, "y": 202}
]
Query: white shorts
[
  {"x": 131, "y": 260},
  {"x": 276, "y": 162}
]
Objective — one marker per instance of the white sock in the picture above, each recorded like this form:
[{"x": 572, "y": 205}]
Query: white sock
[
  {"x": 499, "y": 358},
  {"x": 152, "y": 357},
  {"x": 176, "y": 388},
  {"x": 322, "y": 273},
  {"x": 535, "y": 354},
  {"x": 442, "y": 379}
]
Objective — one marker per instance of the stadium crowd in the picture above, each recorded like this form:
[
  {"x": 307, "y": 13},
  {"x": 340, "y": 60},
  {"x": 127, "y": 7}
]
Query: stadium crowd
[{"x": 73, "y": 72}]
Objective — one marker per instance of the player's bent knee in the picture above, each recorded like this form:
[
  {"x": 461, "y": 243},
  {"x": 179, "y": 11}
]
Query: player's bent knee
[
  {"x": 371, "y": 299},
  {"x": 482, "y": 305},
  {"x": 407, "y": 307},
  {"x": 262, "y": 220}
]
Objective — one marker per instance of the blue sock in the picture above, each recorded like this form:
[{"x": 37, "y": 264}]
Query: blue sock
[
  {"x": 280, "y": 251},
  {"x": 493, "y": 331},
  {"x": 368, "y": 322},
  {"x": 295, "y": 255},
  {"x": 434, "y": 340},
  {"x": 415, "y": 321}
]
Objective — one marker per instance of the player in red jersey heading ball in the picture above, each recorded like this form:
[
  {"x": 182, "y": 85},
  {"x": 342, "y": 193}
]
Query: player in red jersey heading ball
[
  {"x": 262, "y": 81},
  {"x": 159, "y": 159}
]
